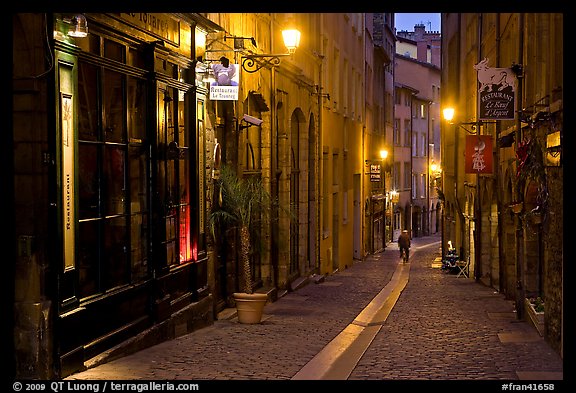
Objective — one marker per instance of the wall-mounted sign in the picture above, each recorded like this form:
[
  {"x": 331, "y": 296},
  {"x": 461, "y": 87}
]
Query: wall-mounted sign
[
  {"x": 160, "y": 25},
  {"x": 497, "y": 92},
  {"x": 68, "y": 180},
  {"x": 478, "y": 154},
  {"x": 227, "y": 80},
  {"x": 375, "y": 172}
]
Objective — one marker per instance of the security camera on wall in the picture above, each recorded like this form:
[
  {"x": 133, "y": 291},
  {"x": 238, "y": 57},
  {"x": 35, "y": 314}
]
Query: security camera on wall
[{"x": 252, "y": 120}]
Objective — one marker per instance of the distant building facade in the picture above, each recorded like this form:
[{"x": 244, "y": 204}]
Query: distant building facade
[{"x": 417, "y": 81}]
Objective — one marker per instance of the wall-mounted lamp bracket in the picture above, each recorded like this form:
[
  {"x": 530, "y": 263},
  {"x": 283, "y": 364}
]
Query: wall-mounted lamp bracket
[
  {"x": 239, "y": 41},
  {"x": 319, "y": 94},
  {"x": 253, "y": 63},
  {"x": 473, "y": 125}
]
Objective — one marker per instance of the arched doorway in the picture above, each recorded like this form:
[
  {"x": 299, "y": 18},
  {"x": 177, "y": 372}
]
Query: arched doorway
[{"x": 299, "y": 209}]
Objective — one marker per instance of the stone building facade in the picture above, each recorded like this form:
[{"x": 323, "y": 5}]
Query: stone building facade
[
  {"x": 117, "y": 140},
  {"x": 507, "y": 223}
]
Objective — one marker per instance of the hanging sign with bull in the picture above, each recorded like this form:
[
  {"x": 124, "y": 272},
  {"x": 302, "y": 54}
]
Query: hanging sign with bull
[{"x": 496, "y": 93}]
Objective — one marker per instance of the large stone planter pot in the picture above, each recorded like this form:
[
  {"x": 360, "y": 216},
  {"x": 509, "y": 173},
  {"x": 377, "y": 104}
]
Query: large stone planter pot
[
  {"x": 536, "y": 318},
  {"x": 250, "y": 306}
]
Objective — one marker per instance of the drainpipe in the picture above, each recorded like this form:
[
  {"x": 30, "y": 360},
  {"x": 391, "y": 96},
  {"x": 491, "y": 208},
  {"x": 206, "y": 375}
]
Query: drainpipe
[
  {"x": 501, "y": 269},
  {"x": 318, "y": 159},
  {"x": 274, "y": 174},
  {"x": 478, "y": 202},
  {"x": 409, "y": 215},
  {"x": 428, "y": 211},
  {"x": 462, "y": 219},
  {"x": 520, "y": 290}
]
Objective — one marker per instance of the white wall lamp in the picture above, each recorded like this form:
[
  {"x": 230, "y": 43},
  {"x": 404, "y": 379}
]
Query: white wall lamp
[{"x": 79, "y": 26}]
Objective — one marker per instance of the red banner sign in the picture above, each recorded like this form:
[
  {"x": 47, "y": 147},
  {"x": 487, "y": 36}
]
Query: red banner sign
[{"x": 479, "y": 154}]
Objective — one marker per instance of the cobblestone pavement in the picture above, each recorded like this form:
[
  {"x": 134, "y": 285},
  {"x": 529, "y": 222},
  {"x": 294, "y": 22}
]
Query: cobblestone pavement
[
  {"x": 448, "y": 327},
  {"x": 442, "y": 327}
]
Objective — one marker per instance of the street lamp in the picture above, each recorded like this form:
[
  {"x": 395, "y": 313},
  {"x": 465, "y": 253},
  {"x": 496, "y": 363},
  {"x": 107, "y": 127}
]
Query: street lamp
[
  {"x": 291, "y": 39},
  {"x": 253, "y": 62},
  {"x": 476, "y": 128},
  {"x": 79, "y": 26},
  {"x": 448, "y": 114}
]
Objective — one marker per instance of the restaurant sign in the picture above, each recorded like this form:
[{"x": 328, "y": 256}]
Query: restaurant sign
[
  {"x": 497, "y": 92},
  {"x": 375, "y": 173}
]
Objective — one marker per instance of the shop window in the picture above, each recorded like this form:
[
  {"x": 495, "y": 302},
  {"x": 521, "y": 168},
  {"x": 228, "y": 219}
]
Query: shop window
[
  {"x": 88, "y": 114},
  {"x": 112, "y": 178},
  {"x": 173, "y": 178},
  {"x": 113, "y": 184},
  {"x": 135, "y": 58},
  {"x": 113, "y": 107},
  {"x": 90, "y": 44},
  {"x": 114, "y": 51}
]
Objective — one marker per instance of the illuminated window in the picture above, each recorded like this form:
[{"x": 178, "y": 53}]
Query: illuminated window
[{"x": 111, "y": 170}]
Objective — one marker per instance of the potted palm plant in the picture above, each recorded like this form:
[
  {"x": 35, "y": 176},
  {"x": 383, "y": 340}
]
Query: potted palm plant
[{"x": 242, "y": 203}]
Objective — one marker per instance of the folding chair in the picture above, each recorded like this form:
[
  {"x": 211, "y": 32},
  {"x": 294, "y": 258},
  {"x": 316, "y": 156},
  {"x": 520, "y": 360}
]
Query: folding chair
[{"x": 463, "y": 267}]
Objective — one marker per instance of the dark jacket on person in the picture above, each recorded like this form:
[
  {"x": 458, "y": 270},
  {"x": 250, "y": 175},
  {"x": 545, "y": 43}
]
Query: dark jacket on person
[{"x": 404, "y": 240}]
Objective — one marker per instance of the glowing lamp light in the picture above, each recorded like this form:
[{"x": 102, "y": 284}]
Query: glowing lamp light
[
  {"x": 254, "y": 62},
  {"x": 291, "y": 39},
  {"x": 448, "y": 113},
  {"x": 79, "y": 26}
]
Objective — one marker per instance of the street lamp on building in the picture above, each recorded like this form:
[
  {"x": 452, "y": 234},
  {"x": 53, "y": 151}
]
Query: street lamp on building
[
  {"x": 448, "y": 114},
  {"x": 254, "y": 62},
  {"x": 478, "y": 159}
]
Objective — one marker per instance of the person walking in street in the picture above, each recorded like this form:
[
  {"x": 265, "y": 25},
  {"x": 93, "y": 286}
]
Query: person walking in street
[{"x": 404, "y": 243}]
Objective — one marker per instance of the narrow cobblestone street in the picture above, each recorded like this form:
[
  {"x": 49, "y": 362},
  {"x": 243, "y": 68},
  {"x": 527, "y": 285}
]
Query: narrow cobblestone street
[{"x": 442, "y": 327}]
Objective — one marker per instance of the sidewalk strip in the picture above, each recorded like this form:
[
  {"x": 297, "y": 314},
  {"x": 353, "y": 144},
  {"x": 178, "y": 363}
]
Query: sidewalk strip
[{"x": 338, "y": 359}]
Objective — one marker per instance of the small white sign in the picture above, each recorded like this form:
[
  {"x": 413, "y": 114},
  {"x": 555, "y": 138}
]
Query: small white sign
[{"x": 224, "y": 93}]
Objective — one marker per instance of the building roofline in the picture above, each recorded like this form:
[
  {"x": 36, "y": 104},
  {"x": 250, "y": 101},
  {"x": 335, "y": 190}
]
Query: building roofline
[
  {"x": 422, "y": 63},
  {"x": 403, "y": 86}
]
